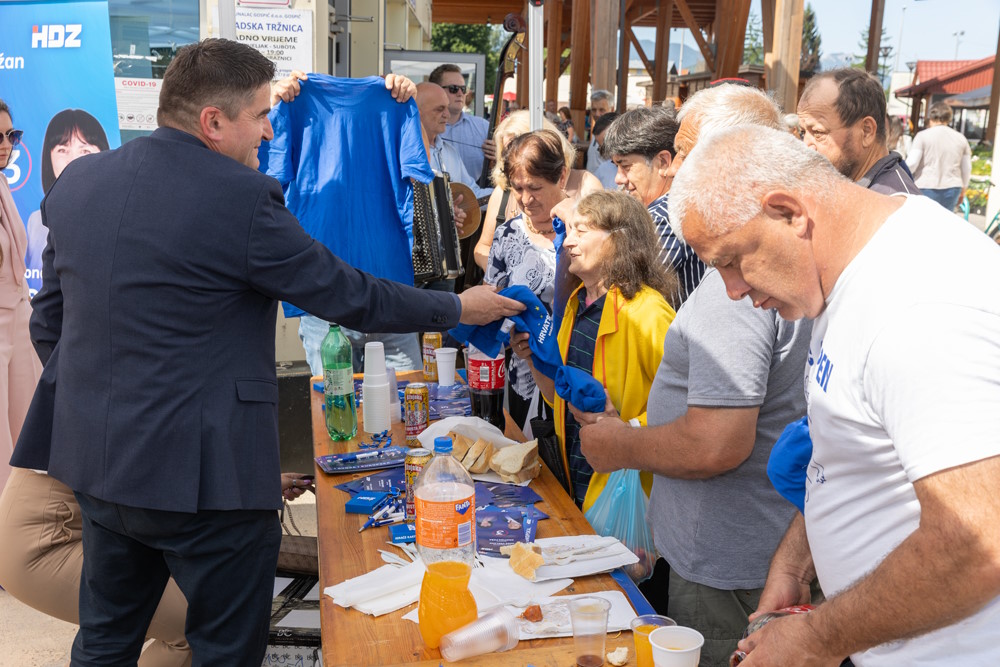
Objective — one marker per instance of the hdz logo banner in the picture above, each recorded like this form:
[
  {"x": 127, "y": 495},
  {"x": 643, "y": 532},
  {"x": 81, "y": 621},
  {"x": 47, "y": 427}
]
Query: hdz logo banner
[{"x": 57, "y": 76}]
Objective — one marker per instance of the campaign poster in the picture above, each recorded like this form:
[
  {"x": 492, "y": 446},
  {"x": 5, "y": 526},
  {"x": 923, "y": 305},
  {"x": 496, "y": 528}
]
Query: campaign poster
[{"x": 57, "y": 77}]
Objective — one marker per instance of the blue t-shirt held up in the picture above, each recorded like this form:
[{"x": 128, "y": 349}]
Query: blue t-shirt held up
[{"x": 344, "y": 152}]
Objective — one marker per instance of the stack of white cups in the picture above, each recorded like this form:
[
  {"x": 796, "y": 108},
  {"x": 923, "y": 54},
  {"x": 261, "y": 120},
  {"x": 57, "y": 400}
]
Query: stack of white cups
[{"x": 375, "y": 390}]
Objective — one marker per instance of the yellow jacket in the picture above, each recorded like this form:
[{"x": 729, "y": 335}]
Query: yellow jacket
[{"x": 627, "y": 355}]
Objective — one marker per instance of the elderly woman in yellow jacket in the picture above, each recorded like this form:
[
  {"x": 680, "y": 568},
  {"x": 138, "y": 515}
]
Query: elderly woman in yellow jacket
[{"x": 614, "y": 323}]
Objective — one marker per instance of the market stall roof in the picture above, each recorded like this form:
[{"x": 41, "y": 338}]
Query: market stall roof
[{"x": 949, "y": 77}]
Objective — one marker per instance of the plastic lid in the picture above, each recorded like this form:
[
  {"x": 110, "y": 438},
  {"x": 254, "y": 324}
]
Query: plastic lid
[{"x": 442, "y": 445}]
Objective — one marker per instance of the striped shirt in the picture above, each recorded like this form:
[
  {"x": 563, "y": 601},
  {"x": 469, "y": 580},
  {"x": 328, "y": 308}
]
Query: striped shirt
[
  {"x": 467, "y": 136},
  {"x": 581, "y": 356},
  {"x": 676, "y": 254}
]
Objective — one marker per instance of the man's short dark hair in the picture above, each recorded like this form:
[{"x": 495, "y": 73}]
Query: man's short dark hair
[
  {"x": 213, "y": 72},
  {"x": 940, "y": 113},
  {"x": 644, "y": 131},
  {"x": 859, "y": 94},
  {"x": 438, "y": 72},
  {"x": 604, "y": 122}
]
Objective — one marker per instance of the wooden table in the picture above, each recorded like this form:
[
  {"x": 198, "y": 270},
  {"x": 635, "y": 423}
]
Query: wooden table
[{"x": 353, "y": 638}]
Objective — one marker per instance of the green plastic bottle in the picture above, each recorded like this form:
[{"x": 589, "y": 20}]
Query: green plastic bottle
[{"x": 338, "y": 385}]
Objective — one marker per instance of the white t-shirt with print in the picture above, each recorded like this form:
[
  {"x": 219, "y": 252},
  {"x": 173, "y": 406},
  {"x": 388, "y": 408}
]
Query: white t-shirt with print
[{"x": 903, "y": 380}]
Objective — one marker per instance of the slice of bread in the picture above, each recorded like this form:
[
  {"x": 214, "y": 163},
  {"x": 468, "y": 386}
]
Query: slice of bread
[
  {"x": 482, "y": 464},
  {"x": 512, "y": 459},
  {"x": 531, "y": 471},
  {"x": 475, "y": 451},
  {"x": 524, "y": 559},
  {"x": 460, "y": 445}
]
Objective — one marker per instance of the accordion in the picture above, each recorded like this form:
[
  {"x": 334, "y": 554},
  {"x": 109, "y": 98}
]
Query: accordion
[{"x": 436, "y": 252}]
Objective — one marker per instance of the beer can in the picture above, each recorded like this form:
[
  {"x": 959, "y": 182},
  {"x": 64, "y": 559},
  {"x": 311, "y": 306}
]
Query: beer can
[
  {"x": 432, "y": 341},
  {"x": 415, "y": 461},
  {"x": 417, "y": 407}
]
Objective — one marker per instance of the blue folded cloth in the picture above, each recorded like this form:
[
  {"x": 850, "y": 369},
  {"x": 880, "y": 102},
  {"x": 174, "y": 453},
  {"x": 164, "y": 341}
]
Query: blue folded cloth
[
  {"x": 574, "y": 386},
  {"x": 580, "y": 389},
  {"x": 786, "y": 467},
  {"x": 534, "y": 320}
]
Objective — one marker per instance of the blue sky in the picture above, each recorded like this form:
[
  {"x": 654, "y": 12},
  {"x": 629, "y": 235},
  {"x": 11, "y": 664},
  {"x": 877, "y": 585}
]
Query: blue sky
[{"x": 927, "y": 29}]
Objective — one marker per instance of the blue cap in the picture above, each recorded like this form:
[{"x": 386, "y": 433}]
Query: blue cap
[{"x": 442, "y": 445}]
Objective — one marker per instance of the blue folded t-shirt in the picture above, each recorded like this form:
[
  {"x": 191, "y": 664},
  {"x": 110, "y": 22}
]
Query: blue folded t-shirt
[{"x": 786, "y": 467}]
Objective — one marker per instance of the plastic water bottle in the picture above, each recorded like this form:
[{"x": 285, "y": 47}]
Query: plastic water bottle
[
  {"x": 445, "y": 503},
  {"x": 338, "y": 385}
]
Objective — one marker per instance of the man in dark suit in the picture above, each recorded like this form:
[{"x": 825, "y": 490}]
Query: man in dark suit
[{"x": 156, "y": 321}]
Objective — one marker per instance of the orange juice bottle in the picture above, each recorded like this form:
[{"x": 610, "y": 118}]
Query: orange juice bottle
[
  {"x": 445, "y": 508},
  {"x": 445, "y": 601}
]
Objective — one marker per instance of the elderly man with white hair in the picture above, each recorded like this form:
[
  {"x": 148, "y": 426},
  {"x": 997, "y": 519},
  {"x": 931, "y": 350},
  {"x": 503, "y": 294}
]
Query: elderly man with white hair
[
  {"x": 901, "y": 509},
  {"x": 730, "y": 379}
]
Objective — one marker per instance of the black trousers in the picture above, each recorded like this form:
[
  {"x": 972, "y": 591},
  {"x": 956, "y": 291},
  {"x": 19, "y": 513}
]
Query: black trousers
[{"x": 223, "y": 562}]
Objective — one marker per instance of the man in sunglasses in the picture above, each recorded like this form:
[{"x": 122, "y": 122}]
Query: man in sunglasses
[{"x": 464, "y": 131}]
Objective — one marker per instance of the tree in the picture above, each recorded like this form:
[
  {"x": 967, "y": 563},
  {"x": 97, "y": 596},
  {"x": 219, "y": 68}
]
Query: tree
[
  {"x": 753, "y": 43},
  {"x": 456, "y": 38},
  {"x": 885, "y": 56},
  {"x": 811, "y": 42}
]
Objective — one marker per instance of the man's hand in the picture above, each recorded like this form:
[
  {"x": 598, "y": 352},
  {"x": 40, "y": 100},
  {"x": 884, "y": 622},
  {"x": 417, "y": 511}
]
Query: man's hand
[
  {"x": 288, "y": 88},
  {"x": 459, "y": 214},
  {"x": 787, "y": 641},
  {"x": 401, "y": 88},
  {"x": 489, "y": 150},
  {"x": 782, "y": 590},
  {"x": 600, "y": 442},
  {"x": 482, "y": 305}
]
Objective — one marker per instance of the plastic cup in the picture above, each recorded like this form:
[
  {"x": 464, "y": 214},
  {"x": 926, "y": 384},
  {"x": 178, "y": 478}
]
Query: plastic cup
[
  {"x": 446, "y": 357},
  {"x": 641, "y": 627},
  {"x": 676, "y": 646},
  {"x": 375, "y": 361},
  {"x": 590, "y": 629},
  {"x": 395, "y": 411},
  {"x": 496, "y": 630}
]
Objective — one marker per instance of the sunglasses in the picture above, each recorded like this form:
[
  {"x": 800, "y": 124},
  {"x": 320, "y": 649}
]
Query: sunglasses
[
  {"x": 454, "y": 90},
  {"x": 13, "y": 136}
]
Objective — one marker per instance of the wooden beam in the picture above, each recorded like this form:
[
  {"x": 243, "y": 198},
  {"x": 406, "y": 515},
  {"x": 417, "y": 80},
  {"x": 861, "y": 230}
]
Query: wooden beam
[
  {"x": 604, "y": 44},
  {"x": 787, "y": 53},
  {"x": 991, "y": 125},
  {"x": 767, "y": 28},
  {"x": 642, "y": 54},
  {"x": 733, "y": 24},
  {"x": 579, "y": 74},
  {"x": 623, "y": 59},
  {"x": 553, "y": 40},
  {"x": 874, "y": 36},
  {"x": 706, "y": 51},
  {"x": 664, "y": 18}
]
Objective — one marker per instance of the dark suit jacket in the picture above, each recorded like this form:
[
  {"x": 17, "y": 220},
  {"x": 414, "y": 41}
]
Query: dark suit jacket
[{"x": 156, "y": 323}]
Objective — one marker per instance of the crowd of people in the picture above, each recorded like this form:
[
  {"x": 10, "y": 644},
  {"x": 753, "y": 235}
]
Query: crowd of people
[{"x": 814, "y": 420}]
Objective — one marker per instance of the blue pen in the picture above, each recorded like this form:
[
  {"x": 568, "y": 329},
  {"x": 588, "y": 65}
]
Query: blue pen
[
  {"x": 359, "y": 456},
  {"x": 373, "y": 519},
  {"x": 392, "y": 518}
]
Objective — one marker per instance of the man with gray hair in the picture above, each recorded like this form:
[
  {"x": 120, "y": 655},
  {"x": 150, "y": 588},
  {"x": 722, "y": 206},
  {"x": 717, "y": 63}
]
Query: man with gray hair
[
  {"x": 641, "y": 145},
  {"x": 601, "y": 102},
  {"x": 900, "y": 509},
  {"x": 731, "y": 380}
]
